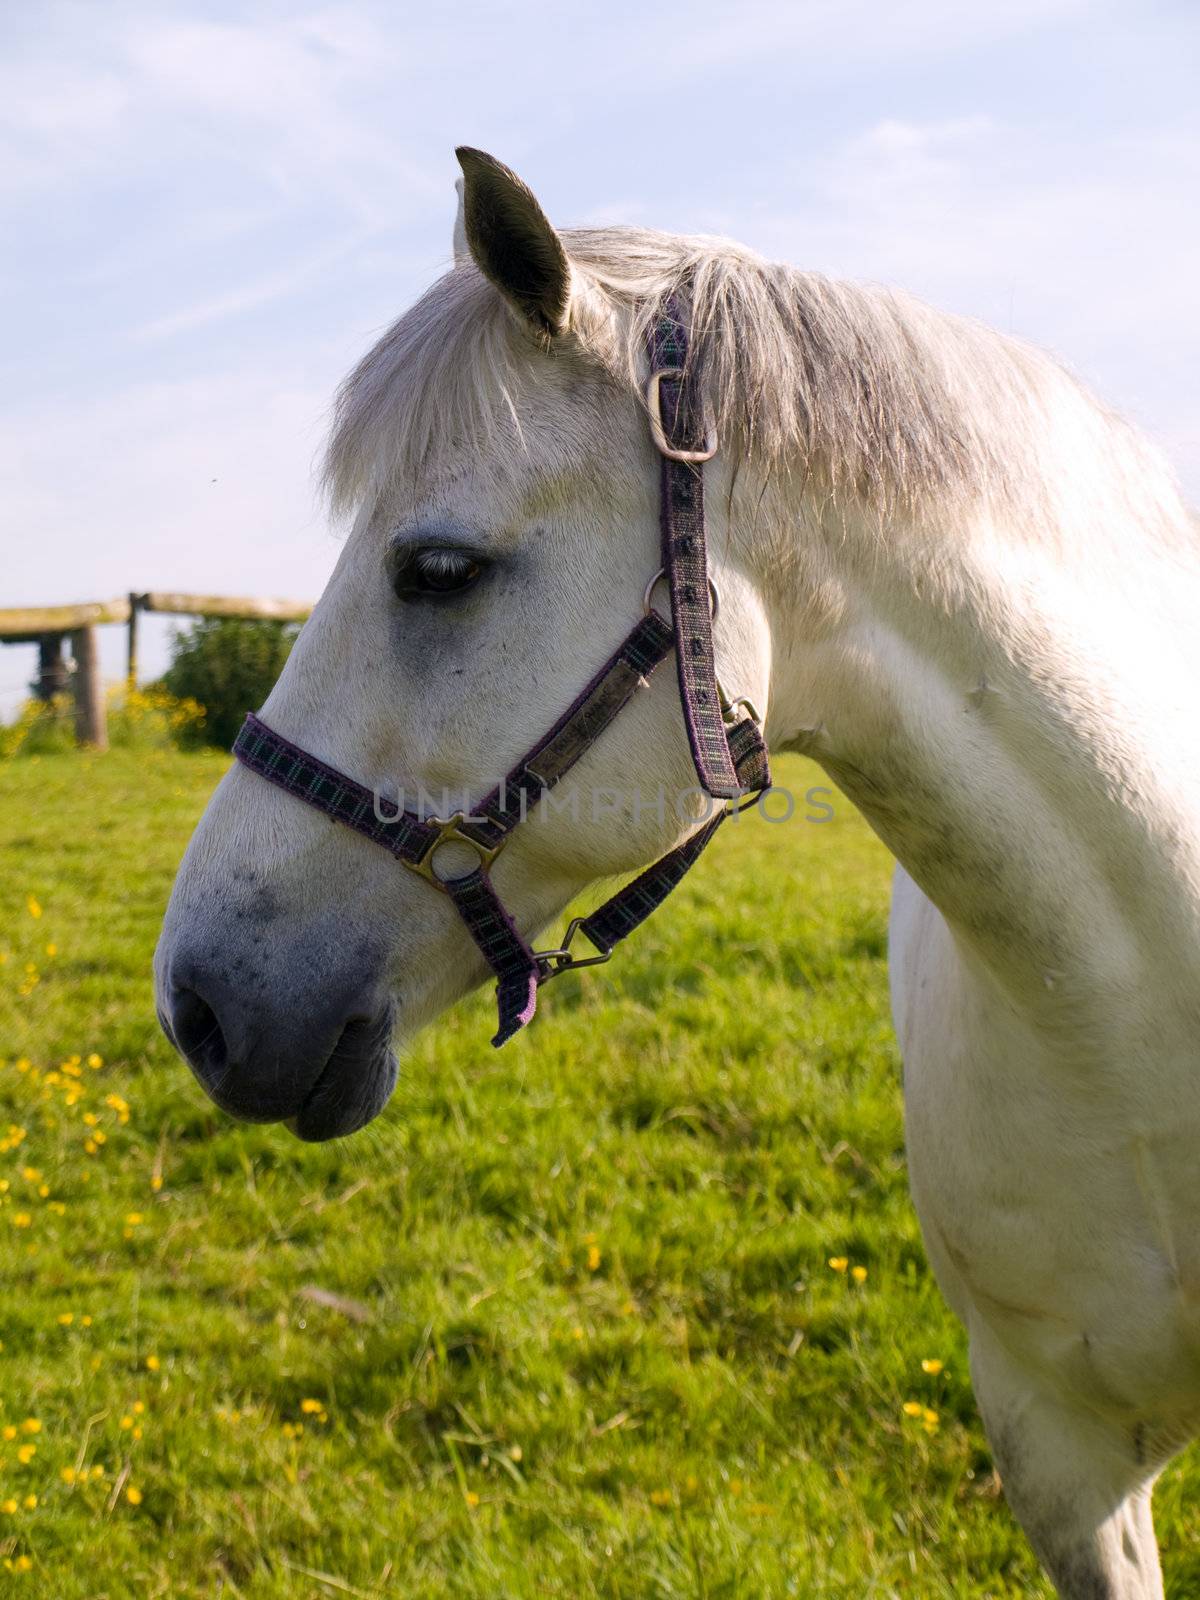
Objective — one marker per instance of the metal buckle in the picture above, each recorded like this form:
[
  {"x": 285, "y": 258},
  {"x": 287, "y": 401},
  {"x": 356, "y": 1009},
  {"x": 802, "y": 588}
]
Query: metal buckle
[
  {"x": 561, "y": 960},
  {"x": 451, "y": 832},
  {"x": 654, "y": 408},
  {"x": 729, "y": 707}
]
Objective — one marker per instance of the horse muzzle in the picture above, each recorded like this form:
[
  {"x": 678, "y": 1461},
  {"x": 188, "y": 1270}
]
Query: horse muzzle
[{"x": 322, "y": 1065}]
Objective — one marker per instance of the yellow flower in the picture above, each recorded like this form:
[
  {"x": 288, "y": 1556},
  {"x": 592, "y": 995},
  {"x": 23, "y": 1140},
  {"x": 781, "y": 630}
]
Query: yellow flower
[
  {"x": 94, "y": 1061},
  {"x": 859, "y": 1274},
  {"x": 134, "y": 1219},
  {"x": 31, "y": 1425},
  {"x": 152, "y": 1363},
  {"x": 472, "y": 1498},
  {"x": 22, "y": 1219},
  {"x": 22, "y": 1564},
  {"x": 311, "y": 1407},
  {"x": 929, "y": 1421},
  {"x": 593, "y": 1257},
  {"x": 839, "y": 1263},
  {"x": 9, "y": 1432},
  {"x": 66, "y": 1318},
  {"x": 134, "y": 1496},
  {"x": 932, "y": 1366},
  {"x": 912, "y": 1408},
  {"x": 8, "y": 1507},
  {"x": 660, "y": 1497},
  {"x": 26, "y": 1454},
  {"x": 68, "y": 1474},
  {"x": 127, "y": 1422},
  {"x": 86, "y": 1321},
  {"x": 138, "y": 1407},
  {"x": 51, "y": 949},
  {"x": 34, "y": 909},
  {"x": 515, "y": 1452},
  {"x": 30, "y": 1502}
]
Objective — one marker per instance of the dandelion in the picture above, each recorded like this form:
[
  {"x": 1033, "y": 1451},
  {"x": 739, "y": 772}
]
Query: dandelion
[
  {"x": 26, "y": 1454},
  {"x": 51, "y": 949},
  {"x": 33, "y": 907},
  {"x": 912, "y": 1408},
  {"x": 8, "y": 1431},
  {"x": 929, "y": 1420},
  {"x": 515, "y": 1453},
  {"x": 31, "y": 1425},
  {"x": 593, "y": 1257},
  {"x": 68, "y": 1474},
  {"x": 94, "y": 1061},
  {"x": 21, "y": 1564},
  {"x": 66, "y": 1318},
  {"x": 839, "y": 1263},
  {"x": 133, "y": 1495},
  {"x": 152, "y": 1363},
  {"x": 126, "y": 1422},
  {"x": 9, "y": 1507},
  {"x": 859, "y": 1274},
  {"x": 471, "y": 1498},
  {"x": 932, "y": 1366},
  {"x": 660, "y": 1497},
  {"x": 22, "y": 1219},
  {"x": 31, "y": 1502},
  {"x": 85, "y": 1321},
  {"x": 138, "y": 1405}
]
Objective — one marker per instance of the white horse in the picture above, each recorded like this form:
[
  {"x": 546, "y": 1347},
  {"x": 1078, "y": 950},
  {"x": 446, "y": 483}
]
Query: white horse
[{"x": 950, "y": 576}]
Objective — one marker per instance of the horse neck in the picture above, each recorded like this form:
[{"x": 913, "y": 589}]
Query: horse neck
[{"x": 1009, "y": 708}]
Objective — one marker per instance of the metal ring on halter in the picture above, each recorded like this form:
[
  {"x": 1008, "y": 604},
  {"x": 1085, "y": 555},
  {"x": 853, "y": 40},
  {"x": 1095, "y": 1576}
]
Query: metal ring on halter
[{"x": 714, "y": 594}]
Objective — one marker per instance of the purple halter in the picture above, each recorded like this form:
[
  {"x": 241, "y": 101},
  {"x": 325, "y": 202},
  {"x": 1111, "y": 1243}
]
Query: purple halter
[{"x": 727, "y": 748}]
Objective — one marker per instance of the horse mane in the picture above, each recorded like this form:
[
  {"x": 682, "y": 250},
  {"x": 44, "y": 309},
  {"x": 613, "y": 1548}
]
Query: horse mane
[{"x": 867, "y": 390}]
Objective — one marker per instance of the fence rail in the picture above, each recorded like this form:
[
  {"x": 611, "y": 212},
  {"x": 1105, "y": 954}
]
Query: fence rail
[{"x": 48, "y": 626}]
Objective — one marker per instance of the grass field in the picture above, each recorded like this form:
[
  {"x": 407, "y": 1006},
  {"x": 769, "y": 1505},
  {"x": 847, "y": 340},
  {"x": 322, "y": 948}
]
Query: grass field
[{"x": 562, "y": 1323}]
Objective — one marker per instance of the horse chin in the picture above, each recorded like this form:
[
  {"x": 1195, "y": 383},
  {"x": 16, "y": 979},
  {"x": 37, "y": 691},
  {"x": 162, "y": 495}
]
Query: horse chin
[{"x": 355, "y": 1084}]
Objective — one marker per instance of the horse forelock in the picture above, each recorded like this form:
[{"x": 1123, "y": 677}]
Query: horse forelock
[{"x": 867, "y": 391}]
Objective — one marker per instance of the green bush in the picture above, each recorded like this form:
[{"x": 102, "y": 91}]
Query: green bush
[{"x": 229, "y": 666}]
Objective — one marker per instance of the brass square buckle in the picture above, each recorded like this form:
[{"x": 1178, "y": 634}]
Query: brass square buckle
[
  {"x": 654, "y": 407},
  {"x": 451, "y": 832}
]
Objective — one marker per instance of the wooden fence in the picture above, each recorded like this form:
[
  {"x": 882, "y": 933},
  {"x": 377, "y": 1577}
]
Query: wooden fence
[{"x": 50, "y": 627}]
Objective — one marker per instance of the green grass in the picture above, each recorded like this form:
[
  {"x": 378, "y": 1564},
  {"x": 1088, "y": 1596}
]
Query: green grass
[{"x": 588, "y": 1342}]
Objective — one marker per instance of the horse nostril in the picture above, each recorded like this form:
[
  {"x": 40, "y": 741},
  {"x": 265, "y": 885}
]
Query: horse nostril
[{"x": 197, "y": 1035}]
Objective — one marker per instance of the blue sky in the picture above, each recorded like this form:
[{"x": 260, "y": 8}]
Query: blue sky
[{"x": 213, "y": 209}]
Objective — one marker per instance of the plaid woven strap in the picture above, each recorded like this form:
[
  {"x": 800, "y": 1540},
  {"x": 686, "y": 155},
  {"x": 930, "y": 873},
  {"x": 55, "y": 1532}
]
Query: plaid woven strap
[
  {"x": 284, "y": 764},
  {"x": 517, "y": 970},
  {"x": 617, "y": 918},
  {"x": 685, "y": 557}
]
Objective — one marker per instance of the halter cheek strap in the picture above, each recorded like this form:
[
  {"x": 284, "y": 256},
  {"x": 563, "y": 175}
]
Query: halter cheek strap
[{"x": 727, "y": 748}]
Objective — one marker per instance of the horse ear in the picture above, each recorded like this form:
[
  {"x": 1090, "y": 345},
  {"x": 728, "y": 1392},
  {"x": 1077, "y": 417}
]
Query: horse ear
[
  {"x": 462, "y": 250},
  {"x": 512, "y": 242}
]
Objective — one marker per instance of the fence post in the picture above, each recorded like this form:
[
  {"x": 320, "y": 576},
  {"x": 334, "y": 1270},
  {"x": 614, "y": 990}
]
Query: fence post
[
  {"x": 52, "y": 668},
  {"x": 132, "y": 667},
  {"x": 91, "y": 723}
]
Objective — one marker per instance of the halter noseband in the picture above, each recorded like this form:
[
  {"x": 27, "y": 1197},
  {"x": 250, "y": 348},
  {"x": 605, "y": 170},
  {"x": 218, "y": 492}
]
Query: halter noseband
[{"x": 727, "y": 748}]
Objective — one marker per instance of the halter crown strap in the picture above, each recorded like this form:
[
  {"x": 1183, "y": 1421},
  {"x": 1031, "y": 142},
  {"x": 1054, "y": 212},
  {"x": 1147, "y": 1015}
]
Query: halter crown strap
[{"x": 677, "y": 424}]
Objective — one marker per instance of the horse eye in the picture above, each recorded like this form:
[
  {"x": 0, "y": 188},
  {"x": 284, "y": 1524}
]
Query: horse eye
[{"x": 436, "y": 571}]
